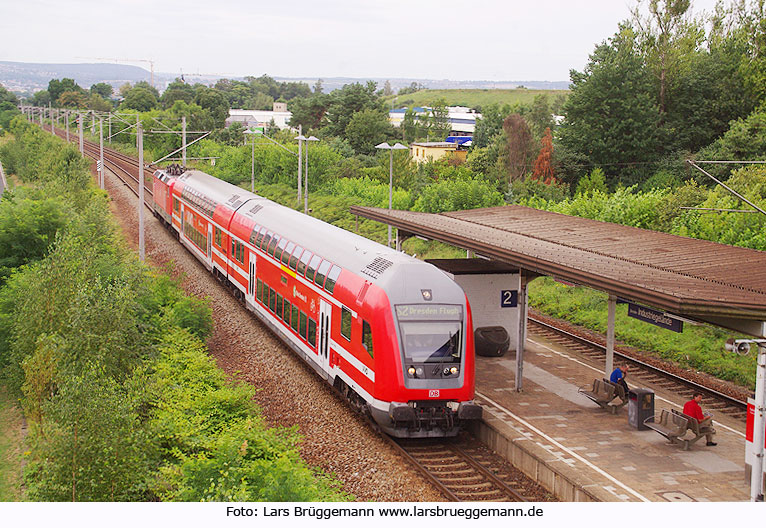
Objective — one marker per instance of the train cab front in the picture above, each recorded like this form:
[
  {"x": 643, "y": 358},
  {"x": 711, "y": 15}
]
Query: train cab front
[{"x": 436, "y": 351}]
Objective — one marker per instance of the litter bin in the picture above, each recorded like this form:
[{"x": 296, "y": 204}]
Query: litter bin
[{"x": 640, "y": 407}]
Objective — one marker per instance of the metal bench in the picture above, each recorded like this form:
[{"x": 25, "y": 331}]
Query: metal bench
[
  {"x": 671, "y": 425},
  {"x": 696, "y": 428},
  {"x": 603, "y": 392}
]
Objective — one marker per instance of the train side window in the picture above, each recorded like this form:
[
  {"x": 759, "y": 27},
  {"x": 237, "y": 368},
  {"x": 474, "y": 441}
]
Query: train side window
[
  {"x": 286, "y": 313},
  {"x": 332, "y": 278},
  {"x": 265, "y": 242},
  {"x": 312, "y": 332},
  {"x": 176, "y": 205},
  {"x": 265, "y": 295},
  {"x": 287, "y": 252},
  {"x": 259, "y": 291},
  {"x": 304, "y": 262},
  {"x": 322, "y": 273},
  {"x": 272, "y": 299},
  {"x": 279, "y": 306},
  {"x": 254, "y": 233},
  {"x": 312, "y": 267},
  {"x": 273, "y": 245},
  {"x": 217, "y": 234},
  {"x": 294, "y": 319},
  {"x": 367, "y": 337},
  {"x": 296, "y": 256},
  {"x": 302, "y": 331},
  {"x": 259, "y": 238},
  {"x": 345, "y": 323},
  {"x": 280, "y": 249}
]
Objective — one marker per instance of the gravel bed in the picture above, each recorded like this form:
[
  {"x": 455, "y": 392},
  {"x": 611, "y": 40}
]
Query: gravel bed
[{"x": 289, "y": 392}]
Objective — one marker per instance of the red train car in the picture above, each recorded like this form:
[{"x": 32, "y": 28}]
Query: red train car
[{"x": 393, "y": 334}]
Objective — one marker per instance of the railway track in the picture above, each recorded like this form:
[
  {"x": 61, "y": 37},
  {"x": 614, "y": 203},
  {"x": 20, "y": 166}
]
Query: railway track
[
  {"x": 122, "y": 165},
  {"x": 655, "y": 375},
  {"x": 465, "y": 471}
]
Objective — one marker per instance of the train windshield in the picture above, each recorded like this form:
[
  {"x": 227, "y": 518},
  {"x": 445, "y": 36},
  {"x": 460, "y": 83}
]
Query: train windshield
[
  {"x": 431, "y": 333},
  {"x": 431, "y": 342}
]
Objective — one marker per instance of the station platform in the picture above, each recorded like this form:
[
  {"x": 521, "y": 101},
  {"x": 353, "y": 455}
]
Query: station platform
[{"x": 580, "y": 452}]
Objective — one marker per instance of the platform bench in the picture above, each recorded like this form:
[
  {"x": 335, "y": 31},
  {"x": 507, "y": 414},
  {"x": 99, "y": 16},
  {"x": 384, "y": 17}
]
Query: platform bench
[
  {"x": 694, "y": 426},
  {"x": 671, "y": 425},
  {"x": 603, "y": 392}
]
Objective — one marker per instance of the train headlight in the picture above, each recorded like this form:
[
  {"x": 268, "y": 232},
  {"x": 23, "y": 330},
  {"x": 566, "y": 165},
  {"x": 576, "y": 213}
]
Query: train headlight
[
  {"x": 453, "y": 370},
  {"x": 446, "y": 371},
  {"x": 419, "y": 372},
  {"x": 411, "y": 371}
]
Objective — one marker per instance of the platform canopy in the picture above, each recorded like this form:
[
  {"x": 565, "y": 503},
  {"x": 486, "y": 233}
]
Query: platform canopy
[{"x": 695, "y": 279}]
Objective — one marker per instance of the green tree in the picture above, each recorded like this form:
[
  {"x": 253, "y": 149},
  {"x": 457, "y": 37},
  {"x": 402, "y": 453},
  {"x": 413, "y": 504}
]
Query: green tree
[
  {"x": 367, "y": 129},
  {"x": 347, "y": 101},
  {"x": 214, "y": 102},
  {"x": 8, "y": 97},
  {"x": 56, "y": 88},
  {"x": 611, "y": 116},
  {"x": 28, "y": 226},
  {"x": 490, "y": 124},
  {"x": 92, "y": 445},
  {"x": 177, "y": 91},
  {"x": 73, "y": 100},
  {"x": 105, "y": 90},
  {"x": 309, "y": 112},
  {"x": 592, "y": 182},
  {"x": 139, "y": 98}
]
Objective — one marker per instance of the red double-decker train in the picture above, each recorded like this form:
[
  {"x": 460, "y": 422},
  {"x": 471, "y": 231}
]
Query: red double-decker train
[{"x": 393, "y": 334}]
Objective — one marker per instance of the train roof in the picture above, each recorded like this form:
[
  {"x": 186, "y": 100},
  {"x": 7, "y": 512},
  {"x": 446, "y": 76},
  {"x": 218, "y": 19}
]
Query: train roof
[{"x": 346, "y": 249}]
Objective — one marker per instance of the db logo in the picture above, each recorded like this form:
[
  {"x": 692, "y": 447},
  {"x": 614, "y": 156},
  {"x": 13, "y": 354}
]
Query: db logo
[{"x": 433, "y": 393}]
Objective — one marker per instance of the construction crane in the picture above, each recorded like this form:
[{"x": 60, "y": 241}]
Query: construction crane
[{"x": 151, "y": 63}]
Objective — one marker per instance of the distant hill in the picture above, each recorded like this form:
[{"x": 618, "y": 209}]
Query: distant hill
[
  {"x": 27, "y": 78},
  {"x": 24, "y": 77},
  {"x": 472, "y": 98},
  {"x": 333, "y": 83}
]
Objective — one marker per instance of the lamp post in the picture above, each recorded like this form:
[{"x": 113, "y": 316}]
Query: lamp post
[
  {"x": 390, "y": 149},
  {"x": 252, "y": 158},
  {"x": 306, "y": 176}
]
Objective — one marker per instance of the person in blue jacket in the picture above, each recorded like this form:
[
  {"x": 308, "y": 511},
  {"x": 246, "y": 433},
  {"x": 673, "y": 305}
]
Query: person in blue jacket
[{"x": 618, "y": 377}]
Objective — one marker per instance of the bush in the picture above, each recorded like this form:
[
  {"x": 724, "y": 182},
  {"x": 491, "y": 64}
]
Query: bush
[{"x": 452, "y": 195}]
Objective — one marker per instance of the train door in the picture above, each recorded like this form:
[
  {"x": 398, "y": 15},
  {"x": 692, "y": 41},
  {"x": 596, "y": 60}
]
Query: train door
[
  {"x": 209, "y": 242},
  {"x": 325, "y": 319},
  {"x": 251, "y": 279}
]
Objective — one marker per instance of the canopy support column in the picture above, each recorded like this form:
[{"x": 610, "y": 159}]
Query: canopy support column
[{"x": 612, "y": 308}]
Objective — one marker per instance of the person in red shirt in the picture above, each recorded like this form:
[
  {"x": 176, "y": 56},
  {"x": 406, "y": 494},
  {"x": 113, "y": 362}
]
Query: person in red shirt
[{"x": 693, "y": 409}]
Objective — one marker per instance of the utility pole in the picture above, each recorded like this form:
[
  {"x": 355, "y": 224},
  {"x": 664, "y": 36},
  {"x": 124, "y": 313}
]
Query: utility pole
[
  {"x": 50, "y": 115},
  {"x": 140, "y": 140},
  {"x": 82, "y": 140},
  {"x": 101, "y": 153},
  {"x": 300, "y": 139},
  {"x": 93, "y": 122},
  {"x": 41, "y": 117},
  {"x": 183, "y": 141},
  {"x": 66, "y": 122},
  {"x": 110, "y": 128}
]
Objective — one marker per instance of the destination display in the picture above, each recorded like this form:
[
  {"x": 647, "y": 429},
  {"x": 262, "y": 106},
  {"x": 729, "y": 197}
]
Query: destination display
[
  {"x": 655, "y": 317},
  {"x": 420, "y": 312}
]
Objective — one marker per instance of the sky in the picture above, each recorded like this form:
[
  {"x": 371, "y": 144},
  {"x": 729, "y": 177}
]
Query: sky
[{"x": 511, "y": 40}]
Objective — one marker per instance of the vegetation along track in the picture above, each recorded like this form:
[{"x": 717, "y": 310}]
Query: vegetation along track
[
  {"x": 463, "y": 470},
  {"x": 713, "y": 398},
  {"x": 123, "y": 166}
]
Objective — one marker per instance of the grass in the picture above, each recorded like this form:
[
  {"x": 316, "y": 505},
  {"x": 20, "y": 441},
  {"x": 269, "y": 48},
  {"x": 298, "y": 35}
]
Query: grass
[
  {"x": 11, "y": 448},
  {"x": 473, "y": 98}
]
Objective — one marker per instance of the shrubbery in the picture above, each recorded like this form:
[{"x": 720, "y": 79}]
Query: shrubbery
[{"x": 122, "y": 400}]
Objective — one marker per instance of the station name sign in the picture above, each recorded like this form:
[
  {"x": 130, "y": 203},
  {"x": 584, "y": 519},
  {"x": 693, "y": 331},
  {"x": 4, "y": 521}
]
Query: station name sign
[
  {"x": 655, "y": 317},
  {"x": 420, "y": 312}
]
